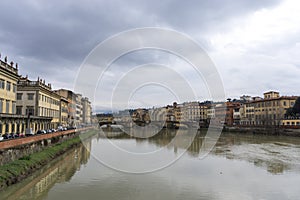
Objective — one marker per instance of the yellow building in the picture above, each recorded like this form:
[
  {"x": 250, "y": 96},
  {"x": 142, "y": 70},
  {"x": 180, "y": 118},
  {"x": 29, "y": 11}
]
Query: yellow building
[
  {"x": 270, "y": 110},
  {"x": 63, "y": 112},
  {"x": 71, "y": 98},
  {"x": 291, "y": 122},
  {"x": 8, "y": 81},
  {"x": 37, "y": 99}
]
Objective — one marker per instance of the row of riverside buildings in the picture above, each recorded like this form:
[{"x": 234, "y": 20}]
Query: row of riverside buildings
[
  {"x": 34, "y": 104},
  {"x": 270, "y": 110}
]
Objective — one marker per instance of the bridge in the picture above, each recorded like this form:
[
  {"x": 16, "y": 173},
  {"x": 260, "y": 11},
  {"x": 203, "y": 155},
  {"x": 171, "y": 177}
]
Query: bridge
[{"x": 159, "y": 124}]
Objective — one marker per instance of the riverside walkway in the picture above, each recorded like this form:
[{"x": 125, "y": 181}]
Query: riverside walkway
[{"x": 11, "y": 143}]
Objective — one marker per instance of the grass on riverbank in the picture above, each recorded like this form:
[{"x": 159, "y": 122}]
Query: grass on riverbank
[{"x": 17, "y": 170}]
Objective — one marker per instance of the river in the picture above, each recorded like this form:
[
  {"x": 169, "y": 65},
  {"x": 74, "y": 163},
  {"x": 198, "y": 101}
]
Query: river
[{"x": 169, "y": 166}]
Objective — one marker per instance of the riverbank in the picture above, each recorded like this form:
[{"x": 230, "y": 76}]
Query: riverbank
[
  {"x": 20, "y": 169},
  {"x": 263, "y": 131}
]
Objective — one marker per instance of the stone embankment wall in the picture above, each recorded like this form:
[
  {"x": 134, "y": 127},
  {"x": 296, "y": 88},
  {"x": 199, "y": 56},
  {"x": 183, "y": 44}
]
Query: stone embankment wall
[{"x": 14, "y": 149}]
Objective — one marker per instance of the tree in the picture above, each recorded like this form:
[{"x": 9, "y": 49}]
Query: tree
[{"x": 296, "y": 107}]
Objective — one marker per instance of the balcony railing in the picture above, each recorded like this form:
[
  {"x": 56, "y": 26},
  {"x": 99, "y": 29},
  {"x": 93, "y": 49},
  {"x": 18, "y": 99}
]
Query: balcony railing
[
  {"x": 34, "y": 83},
  {"x": 8, "y": 67}
]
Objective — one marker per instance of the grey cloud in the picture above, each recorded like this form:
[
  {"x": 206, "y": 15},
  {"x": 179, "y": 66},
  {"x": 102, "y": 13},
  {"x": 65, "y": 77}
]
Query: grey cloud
[{"x": 50, "y": 39}]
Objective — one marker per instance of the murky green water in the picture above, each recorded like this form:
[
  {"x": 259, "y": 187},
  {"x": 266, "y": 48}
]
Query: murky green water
[{"x": 239, "y": 167}]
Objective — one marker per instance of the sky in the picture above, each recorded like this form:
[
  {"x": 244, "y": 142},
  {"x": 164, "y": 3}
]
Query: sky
[{"x": 254, "y": 45}]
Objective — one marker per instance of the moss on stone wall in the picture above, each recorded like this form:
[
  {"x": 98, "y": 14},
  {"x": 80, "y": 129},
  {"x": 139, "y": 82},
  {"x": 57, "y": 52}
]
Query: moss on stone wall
[{"x": 17, "y": 170}]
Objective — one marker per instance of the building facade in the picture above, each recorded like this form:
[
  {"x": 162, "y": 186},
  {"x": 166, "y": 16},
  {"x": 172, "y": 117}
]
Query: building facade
[
  {"x": 63, "y": 116},
  {"x": 71, "y": 98},
  {"x": 79, "y": 111},
  {"x": 35, "y": 98},
  {"x": 86, "y": 110},
  {"x": 9, "y": 121},
  {"x": 269, "y": 111}
]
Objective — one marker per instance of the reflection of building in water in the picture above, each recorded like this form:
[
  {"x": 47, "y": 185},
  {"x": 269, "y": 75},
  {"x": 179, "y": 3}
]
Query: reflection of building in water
[
  {"x": 63, "y": 171},
  {"x": 46, "y": 181},
  {"x": 257, "y": 150},
  {"x": 178, "y": 139},
  {"x": 58, "y": 171},
  {"x": 86, "y": 151}
]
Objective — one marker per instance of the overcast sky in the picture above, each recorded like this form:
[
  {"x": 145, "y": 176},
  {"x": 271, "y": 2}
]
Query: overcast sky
[{"x": 254, "y": 45}]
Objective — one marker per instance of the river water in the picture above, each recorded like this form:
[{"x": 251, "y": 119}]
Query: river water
[{"x": 165, "y": 167}]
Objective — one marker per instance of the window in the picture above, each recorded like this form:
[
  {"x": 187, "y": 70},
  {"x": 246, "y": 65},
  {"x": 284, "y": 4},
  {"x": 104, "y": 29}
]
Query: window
[
  {"x": 8, "y": 86},
  {"x": 19, "y": 110},
  {"x": 7, "y": 106},
  {"x": 19, "y": 96},
  {"x": 30, "y": 96},
  {"x": 2, "y": 84},
  {"x": 14, "y": 88},
  {"x": 284, "y": 103},
  {"x": 29, "y": 110}
]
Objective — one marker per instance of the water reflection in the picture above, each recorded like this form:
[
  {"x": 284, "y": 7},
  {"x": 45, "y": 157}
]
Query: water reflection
[
  {"x": 276, "y": 154},
  {"x": 58, "y": 171},
  {"x": 224, "y": 174}
]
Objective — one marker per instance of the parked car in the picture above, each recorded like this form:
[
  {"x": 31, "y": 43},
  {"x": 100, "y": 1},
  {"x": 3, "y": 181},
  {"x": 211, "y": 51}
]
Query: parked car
[
  {"x": 1, "y": 138},
  {"x": 14, "y": 135},
  {"x": 49, "y": 131},
  {"x": 21, "y": 135},
  {"x": 60, "y": 128},
  {"x": 41, "y": 132},
  {"x": 29, "y": 132},
  {"x": 7, "y": 136},
  {"x": 71, "y": 127},
  {"x": 53, "y": 130}
]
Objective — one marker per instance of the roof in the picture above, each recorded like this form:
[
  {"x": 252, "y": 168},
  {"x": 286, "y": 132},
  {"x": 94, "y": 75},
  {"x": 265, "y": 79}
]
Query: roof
[{"x": 273, "y": 99}]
